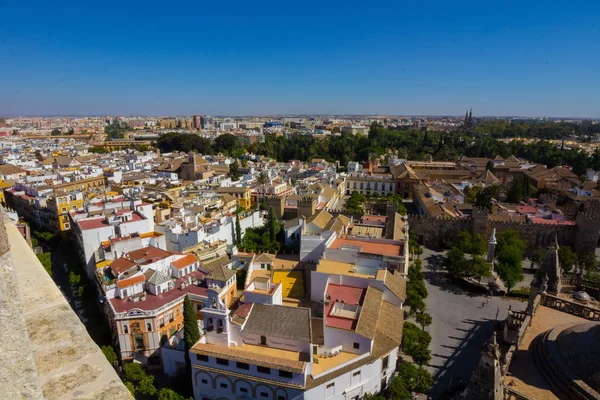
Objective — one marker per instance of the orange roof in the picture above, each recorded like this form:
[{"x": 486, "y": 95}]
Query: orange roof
[
  {"x": 121, "y": 265},
  {"x": 384, "y": 249},
  {"x": 148, "y": 253},
  {"x": 184, "y": 261},
  {"x": 130, "y": 281}
]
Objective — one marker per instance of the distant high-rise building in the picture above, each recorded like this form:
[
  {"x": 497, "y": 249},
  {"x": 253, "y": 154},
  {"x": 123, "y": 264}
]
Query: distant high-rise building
[
  {"x": 207, "y": 122},
  {"x": 196, "y": 122}
]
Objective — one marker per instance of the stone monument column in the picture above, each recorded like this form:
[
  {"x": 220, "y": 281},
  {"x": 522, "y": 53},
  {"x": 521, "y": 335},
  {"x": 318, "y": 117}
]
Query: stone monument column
[{"x": 491, "y": 247}]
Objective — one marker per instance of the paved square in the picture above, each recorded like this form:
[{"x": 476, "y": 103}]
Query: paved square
[{"x": 461, "y": 324}]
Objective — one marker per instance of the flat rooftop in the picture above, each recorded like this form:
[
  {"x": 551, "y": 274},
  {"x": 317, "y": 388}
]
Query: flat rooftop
[
  {"x": 339, "y": 268},
  {"x": 369, "y": 247},
  {"x": 342, "y": 311},
  {"x": 327, "y": 363}
]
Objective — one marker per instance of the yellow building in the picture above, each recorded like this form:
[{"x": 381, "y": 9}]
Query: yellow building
[
  {"x": 242, "y": 195},
  {"x": 61, "y": 204}
]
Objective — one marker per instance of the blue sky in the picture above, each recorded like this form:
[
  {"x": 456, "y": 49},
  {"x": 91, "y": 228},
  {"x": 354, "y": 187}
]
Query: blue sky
[{"x": 267, "y": 57}]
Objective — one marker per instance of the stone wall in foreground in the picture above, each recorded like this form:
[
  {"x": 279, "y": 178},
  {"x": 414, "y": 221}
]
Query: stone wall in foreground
[{"x": 46, "y": 350}]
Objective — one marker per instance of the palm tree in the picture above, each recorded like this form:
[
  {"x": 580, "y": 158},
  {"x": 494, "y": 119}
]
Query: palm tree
[{"x": 262, "y": 179}]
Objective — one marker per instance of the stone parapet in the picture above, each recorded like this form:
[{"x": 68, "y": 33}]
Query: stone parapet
[{"x": 47, "y": 352}]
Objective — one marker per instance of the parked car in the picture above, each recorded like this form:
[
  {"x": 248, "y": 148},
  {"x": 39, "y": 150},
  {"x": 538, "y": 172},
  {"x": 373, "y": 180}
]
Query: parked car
[{"x": 78, "y": 304}]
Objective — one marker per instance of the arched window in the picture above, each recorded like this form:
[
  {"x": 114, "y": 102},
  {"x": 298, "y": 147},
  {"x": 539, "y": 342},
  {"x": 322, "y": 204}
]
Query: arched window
[
  {"x": 125, "y": 329},
  {"x": 149, "y": 327},
  {"x": 219, "y": 325}
]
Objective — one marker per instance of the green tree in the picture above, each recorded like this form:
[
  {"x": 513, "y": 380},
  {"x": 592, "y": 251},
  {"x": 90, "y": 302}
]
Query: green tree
[
  {"x": 191, "y": 333},
  {"x": 509, "y": 267},
  {"x": 537, "y": 258},
  {"x": 238, "y": 231},
  {"x": 261, "y": 181},
  {"x": 146, "y": 386},
  {"x": 110, "y": 354},
  {"x": 169, "y": 394},
  {"x": 479, "y": 245},
  {"x": 415, "y": 342},
  {"x": 397, "y": 390},
  {"x": 46, "y": 262},
  {"x": 131, "y": 387},
  {"x": 234, "y": 171},
  {"x": 510, "y": 237},
  {"x": 567, "y": 258},
  {"x": 479, "y": 268},
  {"x": 74, "y": 279},
  {"x": 416, "y": 379},
  {"x": 274, "y": 225},
  {"x": 80, "y": 291},
  {"x": 424, "y": 319},
  {"x": 456, "y": 264},
  {"x": 589, "y": 261},
  {"x": 55, "y": 132},
  {"x": 464, "y": 241},
  {"x": 226, "y": 143},
  {"x": 134, "y": 372}
]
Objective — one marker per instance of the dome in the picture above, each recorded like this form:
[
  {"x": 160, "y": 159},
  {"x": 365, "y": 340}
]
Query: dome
[{"x": 579, "y": 347}]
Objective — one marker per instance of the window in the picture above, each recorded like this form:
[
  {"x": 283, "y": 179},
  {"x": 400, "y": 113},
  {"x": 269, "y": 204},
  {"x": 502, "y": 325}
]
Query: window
[
  {"x": 243, "y": 390},
  {"x": 263, "y": 340},
  {"x": 222, "y": 361},
  {"x": 285, "y": 374},
  {"x": 124, "y": 292},
  {"x": 170, "y": 317},
  {"x": 204, "y": 382},
  {"x": 242, "y": 365},
  {"x": 356, "y": 345},
  {"x": 223, "y": 385},
  {"x": 201, "y": 357},
  {"x": 385, "y": 363},
  {"x": 263, "y": 370},
  {"x": 357, "y": 373},
  {"x": 161, "y": 322},
  {"x": 199, "y": 307},
  {"x": 149, "y": 327},
  {"x": 125, "y": 329}
]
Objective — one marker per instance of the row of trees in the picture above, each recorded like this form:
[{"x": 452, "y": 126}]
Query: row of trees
[{"x": 410, "y": 144}]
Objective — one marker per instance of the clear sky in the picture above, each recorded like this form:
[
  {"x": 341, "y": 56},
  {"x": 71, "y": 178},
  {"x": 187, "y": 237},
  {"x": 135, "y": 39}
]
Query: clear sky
[{"x": 261, "y": 57}]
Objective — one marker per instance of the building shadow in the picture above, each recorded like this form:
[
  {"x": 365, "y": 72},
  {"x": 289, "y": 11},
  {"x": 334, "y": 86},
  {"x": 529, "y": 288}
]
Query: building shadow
[{"x": 466, "y": 352}]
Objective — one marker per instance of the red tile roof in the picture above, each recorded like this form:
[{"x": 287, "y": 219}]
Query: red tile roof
[
  {"x": 149, "y": 253},
  {"x": 123, "y": 283},
  {"x": 185, "y": 261},
  {"x": 527, "y": 210},
  {"x": 121, "y": 265},
  {"x": 96, "y": 223},
  {"x": 544, "y": 221},
  {"x": 153, "y": 302}
]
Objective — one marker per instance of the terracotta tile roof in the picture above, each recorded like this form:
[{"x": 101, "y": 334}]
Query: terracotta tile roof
[
  {"x": 217, "y": 269},
  {"x": 396, "y": 284},
  {"x": 146, "y": 254},
  {"x": 320, "y": 218},
  {"x": 184, "y": 261},
  {"x": 121, "y": 265},
  {"x": 369, "y": 314},
  {"x": 123, "y": 283},
  {"x": 265, "y": 258},
  {"x": 280, "y": 322}
]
